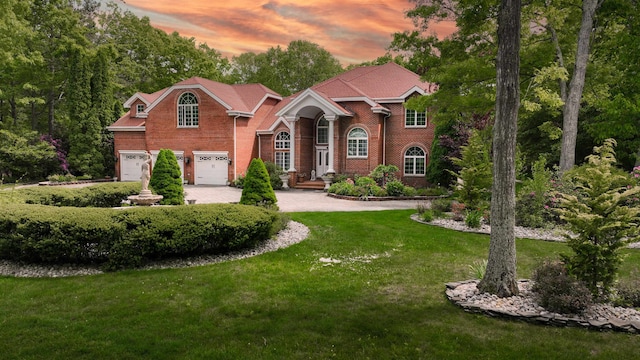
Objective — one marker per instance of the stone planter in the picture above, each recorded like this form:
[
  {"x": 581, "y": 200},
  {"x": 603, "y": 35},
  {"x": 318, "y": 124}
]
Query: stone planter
[
  {"x": 285, "y": 181},
  {"x": 328, "y": 179}
]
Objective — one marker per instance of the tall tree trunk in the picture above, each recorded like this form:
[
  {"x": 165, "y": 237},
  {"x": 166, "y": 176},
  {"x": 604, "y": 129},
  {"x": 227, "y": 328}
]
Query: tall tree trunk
[
  {"x": 500, "y": 276},
  {"x": 572, "y": 104}
]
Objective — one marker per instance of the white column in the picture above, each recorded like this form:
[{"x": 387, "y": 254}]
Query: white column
[
  {"x": 291, "y": 123},
  {"x": 331, "y": 119}
]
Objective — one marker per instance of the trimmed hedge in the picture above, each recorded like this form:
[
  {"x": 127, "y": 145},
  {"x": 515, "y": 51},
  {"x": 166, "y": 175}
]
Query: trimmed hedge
[
  {"x": 100, "y": 195},
  {"x": 129, "y": 238}
]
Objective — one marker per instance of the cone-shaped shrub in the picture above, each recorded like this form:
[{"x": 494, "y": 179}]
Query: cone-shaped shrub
[
  {"x": 257, "y": 188},
  {"x": 165, "y": 179}
]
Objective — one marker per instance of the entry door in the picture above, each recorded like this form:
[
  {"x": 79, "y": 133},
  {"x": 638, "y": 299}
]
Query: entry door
[{"x": 322, "y": 161}]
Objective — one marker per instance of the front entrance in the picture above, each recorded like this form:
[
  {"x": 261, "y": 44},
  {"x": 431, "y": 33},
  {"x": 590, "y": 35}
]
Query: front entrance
[{"x": 322, "y": 160}]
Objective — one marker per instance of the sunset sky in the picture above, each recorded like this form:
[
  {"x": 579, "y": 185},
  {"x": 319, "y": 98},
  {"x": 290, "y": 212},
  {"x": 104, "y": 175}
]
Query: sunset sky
[{"x": 352, "y": 30}]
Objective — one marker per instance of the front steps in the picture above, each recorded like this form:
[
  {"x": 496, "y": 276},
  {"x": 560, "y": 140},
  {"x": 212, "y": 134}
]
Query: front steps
[{"x": 317, "y": 184}]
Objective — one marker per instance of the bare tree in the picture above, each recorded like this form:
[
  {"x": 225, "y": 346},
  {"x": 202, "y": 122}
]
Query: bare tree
[{"x": 500, "y": 276}]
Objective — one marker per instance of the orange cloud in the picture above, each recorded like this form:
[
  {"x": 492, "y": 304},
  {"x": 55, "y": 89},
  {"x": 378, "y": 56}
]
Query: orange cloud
[{"x": 352, "y": 30}]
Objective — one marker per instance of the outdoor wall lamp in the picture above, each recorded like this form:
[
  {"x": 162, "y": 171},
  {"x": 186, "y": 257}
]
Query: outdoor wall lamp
[
  {"x": 187, "y": 159},
  {"x": 229, "y": 161}
]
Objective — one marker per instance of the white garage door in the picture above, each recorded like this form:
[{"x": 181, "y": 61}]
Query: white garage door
[
  {"x": 179, "y": 156},
  {"x": 211, "y": 168},
  {"x": 131, "y": 165}
]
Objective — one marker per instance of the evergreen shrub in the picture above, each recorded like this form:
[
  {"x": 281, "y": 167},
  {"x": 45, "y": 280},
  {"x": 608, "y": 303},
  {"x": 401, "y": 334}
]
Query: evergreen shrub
[
  {"x": 601, "y": 213},
  {"x": 274, "y": 172},
  {"x": 257, "y": 188},
  {"x": 166, "y": 178}
]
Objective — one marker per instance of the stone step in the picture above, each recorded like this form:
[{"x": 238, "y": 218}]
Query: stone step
[{"x": 315, "y": 185}]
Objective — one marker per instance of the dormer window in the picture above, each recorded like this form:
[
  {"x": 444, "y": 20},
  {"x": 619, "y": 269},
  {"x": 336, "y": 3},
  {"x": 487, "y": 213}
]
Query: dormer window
[
  {"x": 139, "y": 109},
  {"x": 415, "y": 119},
  {"x": 188, "y": 110}
]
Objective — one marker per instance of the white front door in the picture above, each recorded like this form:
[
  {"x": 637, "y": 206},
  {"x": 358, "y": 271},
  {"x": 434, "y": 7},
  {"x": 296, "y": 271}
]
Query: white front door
[
  {"x": 322, "y": 161},
  {"x": 211, "y": 168}
]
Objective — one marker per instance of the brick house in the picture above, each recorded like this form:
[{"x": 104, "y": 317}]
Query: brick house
[{"x": 348, "y": 124}]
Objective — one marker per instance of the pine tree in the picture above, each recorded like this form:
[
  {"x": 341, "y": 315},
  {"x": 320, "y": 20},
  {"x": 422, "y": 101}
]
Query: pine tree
[
  {"x": 257, "y": 188},
  {"x": 166, "y": 179}
]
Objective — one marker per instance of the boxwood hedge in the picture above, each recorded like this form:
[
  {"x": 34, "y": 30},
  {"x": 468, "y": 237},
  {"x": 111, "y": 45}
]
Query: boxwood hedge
[
  {"x": 100, "y": 195},
  {"x": 127, "y": 238}
]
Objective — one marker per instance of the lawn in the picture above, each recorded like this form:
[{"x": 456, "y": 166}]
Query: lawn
[{"x": 383, "y": 300}]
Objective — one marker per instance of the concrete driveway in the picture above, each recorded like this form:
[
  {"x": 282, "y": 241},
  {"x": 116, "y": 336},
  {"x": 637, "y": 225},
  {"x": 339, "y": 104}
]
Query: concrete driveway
[{"x": 295, "y": 200}]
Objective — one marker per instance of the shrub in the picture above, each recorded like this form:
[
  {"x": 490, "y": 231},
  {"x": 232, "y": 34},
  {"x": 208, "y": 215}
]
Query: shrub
[
  {"x": 441, "y": 205},
  {"x": 166, "y": 179},
  {"x": 556, "y": 290},
  {"x": 474, "y": 219},
  {"x": 100, "y": 195},
  {"x": 257, "y": 188},
  {"x": 421, "y": 207},
  {"x": 129, "y": 238},
  {"x": 535, "y": 203},
  {"x": 433, "y": 191},
  {"x": 458, "y": 210},
  {"x": 409, "y": 191},
  {"x": 628, "y": 291},
  {"x": 383, "y": 174},
  {"x": 427, "y": 216},
  {"x": 25, "y": 157},
  {"x": 599, "y": 214},
  {"x": 274, "y": 172},
  {"x": 475, "y": 177},
  {"x": 395, "y": 188},
  {"x": 342, "y": 188},
  {"x": 239, "y": 182}
]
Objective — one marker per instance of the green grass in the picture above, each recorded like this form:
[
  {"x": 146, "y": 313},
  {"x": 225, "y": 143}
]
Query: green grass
[{"x": 384, "y": 300}]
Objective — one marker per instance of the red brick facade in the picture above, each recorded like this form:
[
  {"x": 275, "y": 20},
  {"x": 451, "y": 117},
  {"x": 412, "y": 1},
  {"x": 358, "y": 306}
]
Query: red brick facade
[{"x": 242, "y": 121}]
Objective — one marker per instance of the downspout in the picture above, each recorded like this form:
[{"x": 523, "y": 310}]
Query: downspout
[
  {"x": 235, "y": 147},
  {"x": 384, "y": 138}
]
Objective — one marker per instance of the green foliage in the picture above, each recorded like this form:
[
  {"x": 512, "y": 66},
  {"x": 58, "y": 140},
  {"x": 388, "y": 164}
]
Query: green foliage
[
  {"x": 257, "y": 188},
  {"x": 427, "y": 215},
  {"x": 442, "y": 205},
  {"x": 439, "y": 168},
  {"x": 478, "y": 269},
  {"x": 535, "y": 201},
  {"x": 239, "y": 181},
  {"x": 166, "y": 178},
  {"x": 383, "y": 174},
  {"x": 101, "y": 195},
  {"x": 602, "y": 217},
  {"x": 25, "y": 157},
  {"x": 395, "y": 188},
  {"x": 274, "y": 175},
  {"x": 558, "y": 291},
  {"x": 474, "y": 219},
  {"x": 474, "y": 187},
  {"x": 628, "y": 291},
  {"x": 129, "y": 238}
]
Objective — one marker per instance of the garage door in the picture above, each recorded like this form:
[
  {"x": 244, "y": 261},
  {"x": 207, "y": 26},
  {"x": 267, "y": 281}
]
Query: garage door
[
  {"x": 131, "y": 165},
  {"x": 179, "y": 156},
  {"x": 211, "y": 168}
]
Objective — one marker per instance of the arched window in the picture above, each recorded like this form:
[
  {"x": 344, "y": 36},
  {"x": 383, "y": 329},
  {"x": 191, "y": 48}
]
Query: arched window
[
  {"x": 322, "y": 131},
  {"x": 414, "y": 161},
  {"x": 283, "y": 142},
  {"x": 357, "y": 144},
  {"x": 188, "y": 110}
]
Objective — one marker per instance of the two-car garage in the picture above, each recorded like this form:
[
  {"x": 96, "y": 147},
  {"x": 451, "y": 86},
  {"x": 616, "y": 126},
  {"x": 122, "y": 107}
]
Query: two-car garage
[{"x": 209, "y": 167}]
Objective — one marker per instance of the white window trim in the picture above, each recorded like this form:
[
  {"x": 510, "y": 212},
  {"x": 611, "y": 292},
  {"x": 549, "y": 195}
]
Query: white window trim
[
  {"x": 404, "y": 159},
  {"x": 182, "y": 106},
  {"x": 282, "y": 142},
  {"x": 358, "y": 140},
  {"x": 415, "y": 117},
  {"x": 323, "y": 127}
]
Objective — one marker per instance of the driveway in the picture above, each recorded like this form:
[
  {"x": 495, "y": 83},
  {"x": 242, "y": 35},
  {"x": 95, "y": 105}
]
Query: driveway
[{"x": 295, "y": 200}]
